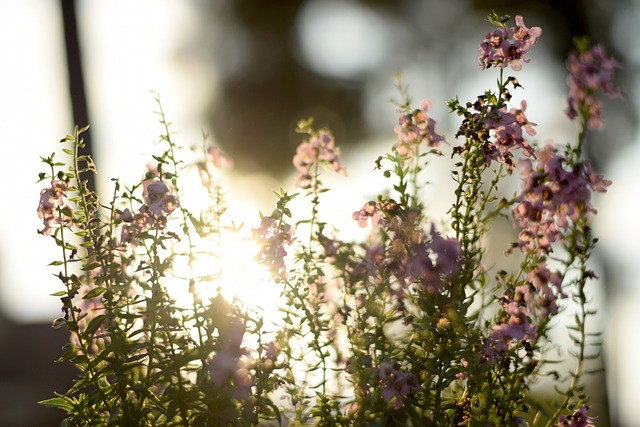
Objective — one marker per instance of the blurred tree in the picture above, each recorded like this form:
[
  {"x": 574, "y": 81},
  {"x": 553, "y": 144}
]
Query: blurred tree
[{"x": 259, "y": 103}]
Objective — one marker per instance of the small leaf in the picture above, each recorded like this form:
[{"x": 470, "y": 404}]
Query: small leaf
[
  {"x": 94, "y": 324},
  {"x": 95, "y": 292},
  {"x": 57, "y": 402}
]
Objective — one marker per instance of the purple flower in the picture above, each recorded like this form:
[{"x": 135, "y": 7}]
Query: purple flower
[
  {"x": 226, "y": 363},
  {"x": 579, "y": 418},
  {"x": 590, "y": 72},
  {"x": 137, "y": 225},
  {"x": 273, "y": 235},
  {"x": 446, "y": 252},
  {"x": 396, "y": 383},
  {"x": 159, "y": 204},
  {"x": 514, "y": 326}
]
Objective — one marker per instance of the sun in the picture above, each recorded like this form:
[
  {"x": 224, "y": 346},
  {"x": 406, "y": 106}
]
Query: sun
[{"x": 224, "y": 262}]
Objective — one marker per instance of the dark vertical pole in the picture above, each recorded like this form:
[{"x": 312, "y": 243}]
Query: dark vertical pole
[{"x": 76, "y": 80}]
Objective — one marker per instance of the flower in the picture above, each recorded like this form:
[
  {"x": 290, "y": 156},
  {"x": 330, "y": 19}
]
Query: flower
[
  {"x": 218, "y": 159},
  {"x": 446, "y": 252},
  {"x": 226, "y": 362},
  {"x": 157, "y": 199},
  {"x": 138, "y": 224},
  {"x": 541, "y": 291},
  {"x": 52, "y": 207},
  {"x": 273, "y": 235},
  {"x": 506, "y": 127},
  {"x": 429, "y": 262},
  {"x": 579, "y": 418},
  {"x": 214, "y": 159},
  {"x": 371, "y": 210},
  {"x": 507, "y": 47},
  {"x": 152, "y": 214},
  {"x": 415, "y": 127},
  {"x": 552, "y": 197},
  {"x": 527, "y": 35},
  {"x": 396, "y": 383},
  {"x": 320, "y": 149},
  {"x": 516, "y": 328},
  {"x": 590, "y": 72}
]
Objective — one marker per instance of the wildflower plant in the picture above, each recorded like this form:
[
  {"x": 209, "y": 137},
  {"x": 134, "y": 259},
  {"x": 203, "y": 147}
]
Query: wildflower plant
[{"x": 412, "y": 326}]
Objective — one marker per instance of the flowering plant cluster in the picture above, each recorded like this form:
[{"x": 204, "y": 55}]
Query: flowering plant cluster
[{"x": 412, "y": 326}]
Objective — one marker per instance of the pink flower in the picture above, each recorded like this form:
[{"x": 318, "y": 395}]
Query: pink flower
[
  {"x": 273, "y": 236},
  {"x": 215, "y": 159},
  {"x": 415, "y": 127},
  {"x": 542, "y": 290},
  {"x": 320, "y": 149},
  {"x": 506, "y": 127},
  {"x": 136, "y": 226},
  {"x": 371, "y": 210},
  {"x": 522, "y": 119},
  {"x": 590, "y": 72},
  {"x": 527, "y": 35},
  {"x": 507, "y": 47},
  {"x": 151, "y": 215},
  {"x": 52, "y": 207},
  {"x": 218, "y": 159},
  {"x": 396, "y": 383},
  {"x": 514, "y": 326},
  {"x": 553, "y": 197},
  {"x": 500, "y": 131}
]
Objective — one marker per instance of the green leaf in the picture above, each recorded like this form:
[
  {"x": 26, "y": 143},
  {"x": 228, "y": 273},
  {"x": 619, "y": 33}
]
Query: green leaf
[
  {"x": 95, "y": 292},
  {"x": 57, "y": 402},
  {"x": 94, "y": 324}
]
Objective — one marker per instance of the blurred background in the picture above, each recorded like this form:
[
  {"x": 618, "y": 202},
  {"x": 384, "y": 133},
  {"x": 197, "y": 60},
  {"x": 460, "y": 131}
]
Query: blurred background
[{"x": 246, "y": 71}]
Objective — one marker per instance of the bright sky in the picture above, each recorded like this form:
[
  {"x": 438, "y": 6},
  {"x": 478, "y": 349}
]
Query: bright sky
[{"x": 128, "y": 54}]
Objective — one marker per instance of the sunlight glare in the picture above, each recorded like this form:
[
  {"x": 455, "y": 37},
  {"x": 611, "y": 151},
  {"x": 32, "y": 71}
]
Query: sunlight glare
[{"x": 225, "y": 263}]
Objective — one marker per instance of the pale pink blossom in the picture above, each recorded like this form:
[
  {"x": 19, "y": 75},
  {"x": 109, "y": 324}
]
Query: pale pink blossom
[
  {"x": 218, "y": 159},
  {"x": 590, "y": 73},
  {"x": 541, "y": 291},
  {"x": 320, "y": 150},
  {"x": 53, "y": 208},
  {"x": 370, "y": 210},
  {"x": 506, "y": 127},
  {"x": 415, "y": 127}
]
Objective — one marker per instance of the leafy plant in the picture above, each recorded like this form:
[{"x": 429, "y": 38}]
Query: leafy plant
[{"x": 409, "y": 327}]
